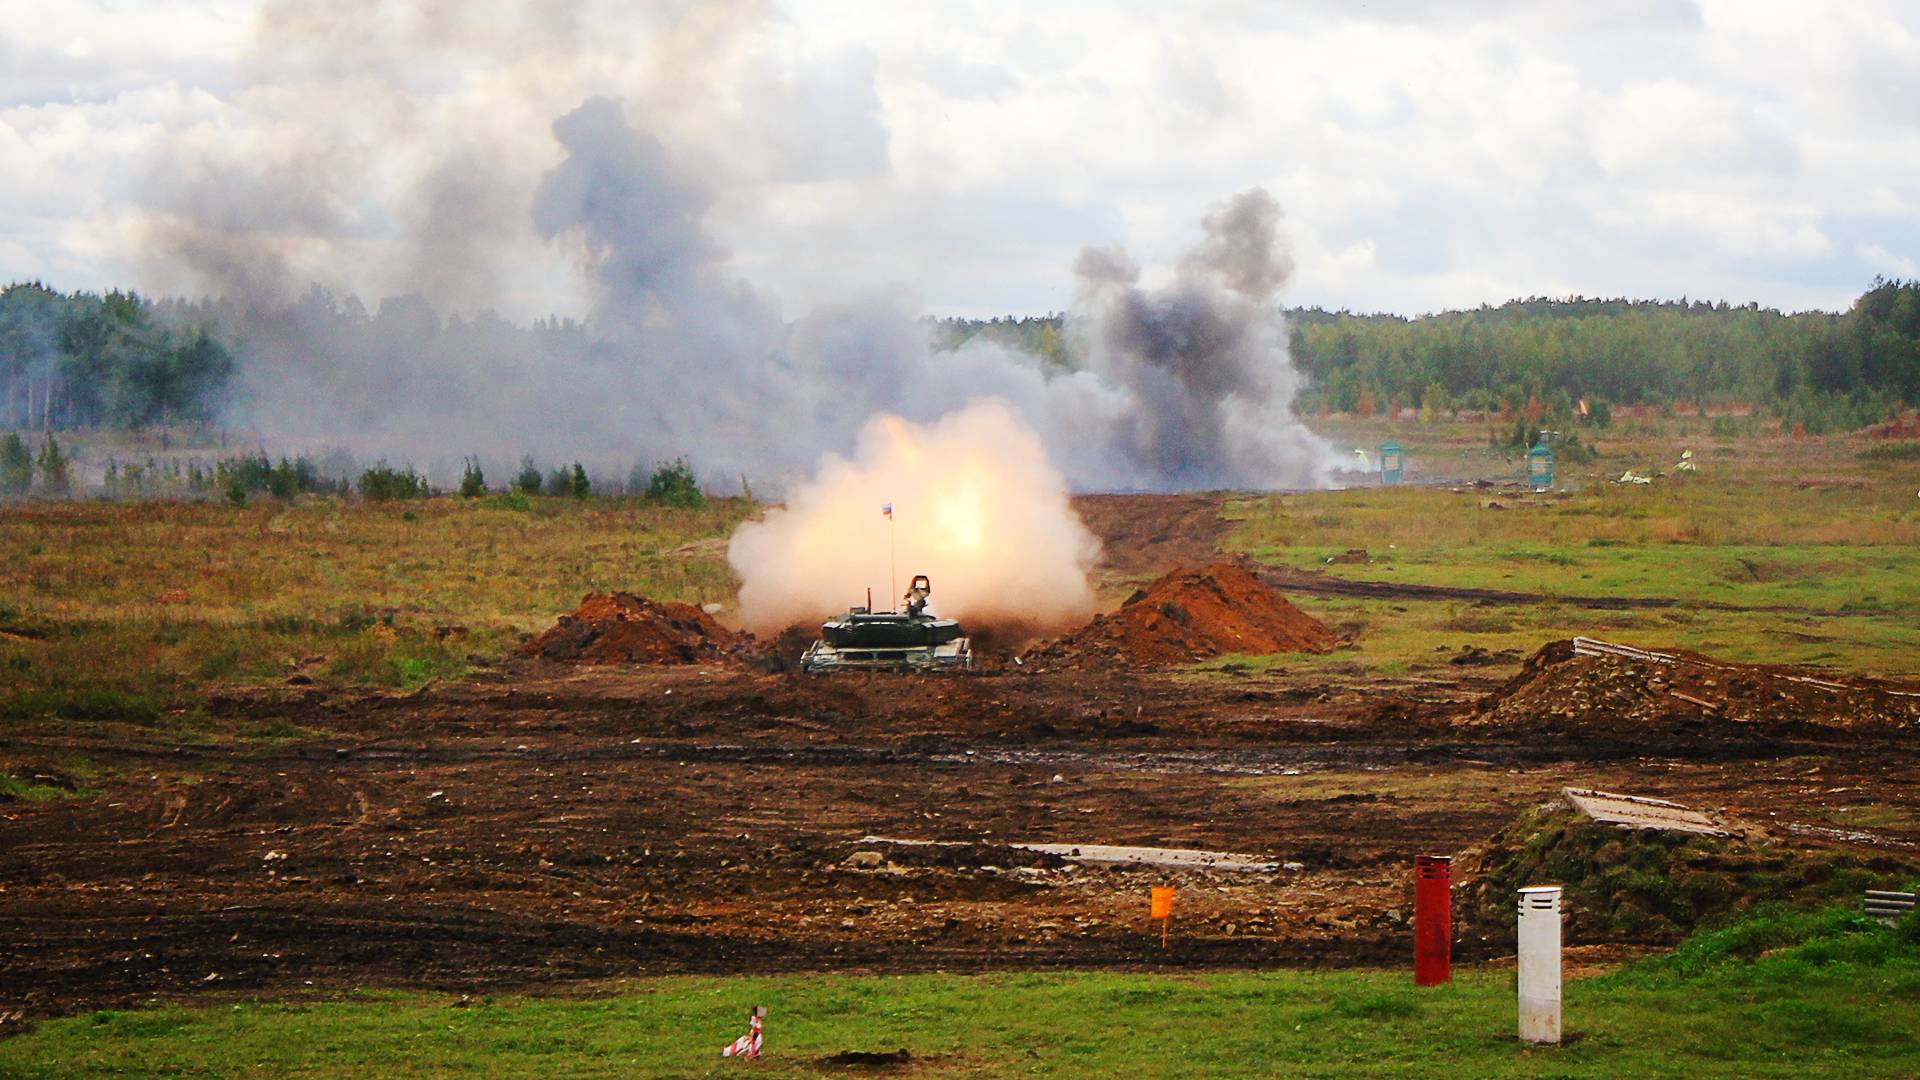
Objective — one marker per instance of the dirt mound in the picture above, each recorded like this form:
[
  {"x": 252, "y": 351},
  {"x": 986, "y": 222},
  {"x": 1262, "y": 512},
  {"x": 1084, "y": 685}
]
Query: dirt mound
[
  {"x": 1900, "y": 427},
  {"x": 1594, "y": 689},
  {"x": 1192, "y": 614},
  {"x": 1642, "y": 885},
  {"x": 621, "y": 628},
  {"x": 1146, "y": 534}
]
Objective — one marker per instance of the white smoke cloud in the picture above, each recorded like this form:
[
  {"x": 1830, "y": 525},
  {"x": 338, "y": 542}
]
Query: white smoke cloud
[
  {"x": 975, "y": 505},
  {"x": 352, "y": 168}
]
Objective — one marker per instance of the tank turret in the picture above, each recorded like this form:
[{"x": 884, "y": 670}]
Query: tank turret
[{"x": 909, "y": 640}]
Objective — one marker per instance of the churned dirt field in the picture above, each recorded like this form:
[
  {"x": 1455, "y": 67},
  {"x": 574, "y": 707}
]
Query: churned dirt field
[
  {"x": 560, "y": 825},
  {"x": 546, "y": 824}
]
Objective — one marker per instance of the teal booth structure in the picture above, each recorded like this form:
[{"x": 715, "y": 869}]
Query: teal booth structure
[
  {"x": 1540, "y": 466},
  {"x": 1391, "y": 462}
]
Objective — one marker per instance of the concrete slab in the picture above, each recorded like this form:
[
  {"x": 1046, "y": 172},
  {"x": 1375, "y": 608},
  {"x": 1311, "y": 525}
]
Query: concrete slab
[
  {"x": 1172, "y": 858},
  {"x": 1640, "y": 812},
  {"x": 1175, "y": 858}
]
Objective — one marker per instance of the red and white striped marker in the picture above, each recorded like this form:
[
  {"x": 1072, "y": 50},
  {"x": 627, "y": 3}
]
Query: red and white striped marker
[{"x": 748, "y": 1045}]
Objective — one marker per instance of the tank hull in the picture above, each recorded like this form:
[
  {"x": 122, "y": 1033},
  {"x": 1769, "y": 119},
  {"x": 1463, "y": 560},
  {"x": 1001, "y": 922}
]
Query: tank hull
[{"x": 823, "y": 656}]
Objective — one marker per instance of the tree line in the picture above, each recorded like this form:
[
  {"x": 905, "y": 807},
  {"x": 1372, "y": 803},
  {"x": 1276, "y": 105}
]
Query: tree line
[
  {"x": 84, "y": 359},
  {"x": 117, "y": 360},
  {"x": 1626, "y": 352},
  {"x": 50, "y": 473},
  {"x": 1824, "y": 370}
]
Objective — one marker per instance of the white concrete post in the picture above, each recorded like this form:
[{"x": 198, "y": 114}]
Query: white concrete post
[{"x": 1539, "y": 963}]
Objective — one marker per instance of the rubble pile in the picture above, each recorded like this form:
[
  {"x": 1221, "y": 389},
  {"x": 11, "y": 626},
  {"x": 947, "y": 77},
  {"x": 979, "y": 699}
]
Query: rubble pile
[
  {"x": 621, "y": 628},
  {"x": 1192, "y": 614},
  {"x": 1560, "y": 689}
]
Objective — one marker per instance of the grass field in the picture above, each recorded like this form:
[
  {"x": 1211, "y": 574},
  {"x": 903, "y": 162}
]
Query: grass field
[
  {"x": 115, "y": 611},
  {"x": 1821, "y": 538},
  {"x": 1776, "y": 550},
  {"x": 1781, "y": 995}
]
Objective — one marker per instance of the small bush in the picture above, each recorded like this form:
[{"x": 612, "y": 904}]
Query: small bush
[
  {"x": 473, "y": 482},
  {"x": 254, "y": 474},
  {"x": 673, "y": 484},
  {"x": 527, "y": 480},
  {"x": 56, "y": 475},
  {"x": 383, "y": 483},
  {"x": 1892, "y": 451},
  {"x": 569, "y": 481},
  {"x": 16, "y": 465}
]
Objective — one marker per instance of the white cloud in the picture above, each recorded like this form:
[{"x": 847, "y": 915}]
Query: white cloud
[
  {"x": 1889, "y": 264},
  {"x": 1424, "y": 155}
]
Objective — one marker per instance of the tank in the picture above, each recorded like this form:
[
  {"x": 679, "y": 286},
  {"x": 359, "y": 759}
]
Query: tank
[{"x": 910, "y": 640}]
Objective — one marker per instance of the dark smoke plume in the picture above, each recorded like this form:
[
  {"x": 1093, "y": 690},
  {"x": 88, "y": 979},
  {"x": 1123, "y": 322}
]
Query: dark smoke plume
[
  {"x": 1186, "y": 385},
  {"x": 1204, "y": 358}
]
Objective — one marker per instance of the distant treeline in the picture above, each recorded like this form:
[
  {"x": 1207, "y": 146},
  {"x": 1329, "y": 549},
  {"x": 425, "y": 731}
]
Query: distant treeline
[
  {"x": 120, "y": 361},
  {"x": 1043, "y": 336},
  {"x": 86, "y": 360},
  {"x": 1622, "y": 351},
  {"x": 1828, "y": 370},
  {"x": 52, "y": 473}
]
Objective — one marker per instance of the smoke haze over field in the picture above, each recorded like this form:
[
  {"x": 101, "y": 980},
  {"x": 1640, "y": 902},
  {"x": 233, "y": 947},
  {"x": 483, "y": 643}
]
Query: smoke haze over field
[
  {"x": 975, "y": 507},
  {"x": 670, "y": 353}
]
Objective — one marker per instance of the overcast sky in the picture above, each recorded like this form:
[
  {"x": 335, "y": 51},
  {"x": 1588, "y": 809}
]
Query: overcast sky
[{"x": 1426, "y": 155}]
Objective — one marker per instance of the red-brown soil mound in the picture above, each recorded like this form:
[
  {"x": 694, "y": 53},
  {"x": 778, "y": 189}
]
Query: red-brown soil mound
[
  {"x": 1900, "y": 427},
  {"x": 1561, "y": 690},
  {"x": 621, "y": 628},
  {"x": 1193, "y": 614}
]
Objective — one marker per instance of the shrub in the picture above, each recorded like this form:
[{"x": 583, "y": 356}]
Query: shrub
[
  {"x": 252, "y": 474},
  {"x": 473, "y": 483},
  {"x": 383, "y": 483},
  {"x": 527, "y": 481},
  {"x": 1892, "y": 451},
  {"x": 673, "y": 484},
  {"x": 16, "y": 465},
  {"x": 282, "y": 481},
  {"x": 56, "y": 476}
]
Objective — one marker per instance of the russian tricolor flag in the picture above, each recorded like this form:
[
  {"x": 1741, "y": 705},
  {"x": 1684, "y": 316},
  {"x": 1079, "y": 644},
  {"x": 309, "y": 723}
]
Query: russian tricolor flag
[{"x": 886, "y": 510}]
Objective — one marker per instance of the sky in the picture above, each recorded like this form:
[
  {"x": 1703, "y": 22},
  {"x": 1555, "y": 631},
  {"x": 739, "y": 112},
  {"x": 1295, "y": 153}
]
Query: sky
[{"x": 1424, "y": 155}]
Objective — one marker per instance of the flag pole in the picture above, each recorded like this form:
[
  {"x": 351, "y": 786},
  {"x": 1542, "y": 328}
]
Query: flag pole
[{"x": 893, "y": 561}]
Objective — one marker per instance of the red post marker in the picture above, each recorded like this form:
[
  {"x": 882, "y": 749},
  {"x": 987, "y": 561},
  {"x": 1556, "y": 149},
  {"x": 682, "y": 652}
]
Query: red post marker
[{"x": 1432, "y": 920}]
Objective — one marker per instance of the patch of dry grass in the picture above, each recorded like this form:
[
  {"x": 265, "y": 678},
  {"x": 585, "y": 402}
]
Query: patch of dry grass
[{"x": 164, "y": 597}]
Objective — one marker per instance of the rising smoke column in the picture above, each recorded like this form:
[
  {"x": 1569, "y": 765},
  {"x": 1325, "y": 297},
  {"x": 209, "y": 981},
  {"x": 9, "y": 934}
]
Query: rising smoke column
[
  {"x": 1204, "y": 359},
  {"x": 975, "y": 505},
  {"x": 337, "y": 166}
]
